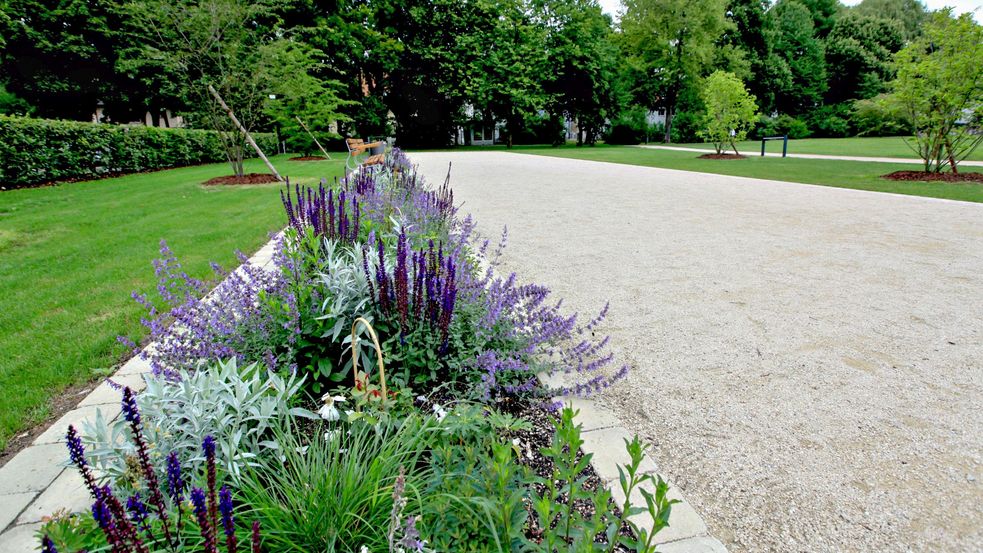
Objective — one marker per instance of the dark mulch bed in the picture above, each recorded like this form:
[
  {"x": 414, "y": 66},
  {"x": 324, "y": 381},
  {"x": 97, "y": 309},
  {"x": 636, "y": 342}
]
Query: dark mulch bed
[
  {"x": 722, "y": 156},
  {"x": 934, "y": 177},
  {"x": 308, "y": 158},
  {"x": 249, "y": 178}
]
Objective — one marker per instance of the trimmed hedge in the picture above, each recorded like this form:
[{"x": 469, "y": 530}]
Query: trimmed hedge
[{"x": 34, "y": 151}]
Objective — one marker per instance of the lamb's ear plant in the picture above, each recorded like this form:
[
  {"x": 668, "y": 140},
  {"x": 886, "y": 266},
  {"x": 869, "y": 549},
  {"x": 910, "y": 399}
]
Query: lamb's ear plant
[{"x": 235, "y": 404}]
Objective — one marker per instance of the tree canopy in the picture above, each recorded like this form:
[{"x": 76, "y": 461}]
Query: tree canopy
[{"x": 424, "y": 70}]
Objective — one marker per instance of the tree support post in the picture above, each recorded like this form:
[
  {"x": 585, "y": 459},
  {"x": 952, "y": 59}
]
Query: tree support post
[
  {"x": 323, "y": 151},
  {"x": 249, "y": 137}
]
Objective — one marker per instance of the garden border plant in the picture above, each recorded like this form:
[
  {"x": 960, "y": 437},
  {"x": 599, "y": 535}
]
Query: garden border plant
[{"x": 248, "y": 363}]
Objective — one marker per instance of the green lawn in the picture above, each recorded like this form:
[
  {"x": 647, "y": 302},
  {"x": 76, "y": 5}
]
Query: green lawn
[
  {"x": 71, "y": 254},
  {"x": 843, "y": 174},
  {"x": 888, "y": 146}
]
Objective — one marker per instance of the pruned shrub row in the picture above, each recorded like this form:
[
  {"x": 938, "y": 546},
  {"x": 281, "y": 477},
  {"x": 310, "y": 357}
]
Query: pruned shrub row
[{"x": 35, "y": 151}]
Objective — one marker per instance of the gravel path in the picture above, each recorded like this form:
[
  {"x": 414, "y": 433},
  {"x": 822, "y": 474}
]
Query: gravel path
[
  {"x": 808, "y": 360},
  {"x": 964, "y": 163}
]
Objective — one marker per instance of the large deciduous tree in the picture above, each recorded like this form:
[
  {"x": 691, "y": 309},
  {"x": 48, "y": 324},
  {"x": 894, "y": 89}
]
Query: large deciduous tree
[
  {"x": 859, "y": 54},
  {"x": 940, "y": 89},
  {"x": 670, "y": 44},
  {"x": 796, "y": 43},
  {"x": 910, "y": 14},
  {"x": 581, "y": 82},
  {"x": 753, "y": 34},
  {"x": 238, "y": 48},
  {"x": 58, "y": 56}
]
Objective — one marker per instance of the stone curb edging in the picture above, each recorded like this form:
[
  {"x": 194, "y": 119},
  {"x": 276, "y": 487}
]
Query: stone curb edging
[{"x": 37, "y": 481}]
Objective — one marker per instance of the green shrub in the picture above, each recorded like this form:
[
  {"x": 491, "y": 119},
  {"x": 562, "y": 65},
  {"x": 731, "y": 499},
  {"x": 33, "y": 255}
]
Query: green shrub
[
  {"x": 34, "y": 151},
  {"x": 875, "y": 117},
  {"x": 781, "y": 125},
  {"x": 830, "y": 121},
  {"x": 236, "y": 405},
  {"x": 630, "y": 127}
]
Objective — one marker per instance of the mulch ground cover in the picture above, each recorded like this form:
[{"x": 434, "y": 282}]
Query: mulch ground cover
[
  {"x": 308, "y": 158},
  {"x": 722, "y": 156},
  {"x": 248, "y": 178},
  {"x": 934, "y": 177}
]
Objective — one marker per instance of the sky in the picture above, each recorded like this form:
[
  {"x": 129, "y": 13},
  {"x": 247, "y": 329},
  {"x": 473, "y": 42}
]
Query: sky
[{"x": 612, "y": 6}]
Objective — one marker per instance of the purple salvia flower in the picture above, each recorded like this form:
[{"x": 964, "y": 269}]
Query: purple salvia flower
[
  {"x": 204, "y": 524},
  {"x": 401, "y": 280},
  {"x": 255, "y": 541},
  {"x": 208, "y": 446},
  {"x": 226, "y": 507},
  {"x": 175, "y": 482},
  {"x": 138, "y": 512},
  {"x": 132, "y": 415},
  {"x": 76, "y": 452},
  {"x": 48, "y": 546}
]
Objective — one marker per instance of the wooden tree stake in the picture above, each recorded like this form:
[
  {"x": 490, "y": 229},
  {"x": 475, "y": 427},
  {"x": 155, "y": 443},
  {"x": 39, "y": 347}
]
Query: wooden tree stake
[
  {"x": 323, "y": 151},
  {"x": 249, "y": 137}
]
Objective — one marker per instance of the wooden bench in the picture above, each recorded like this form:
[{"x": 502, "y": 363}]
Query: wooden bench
[{"x": 359, "y": 154}]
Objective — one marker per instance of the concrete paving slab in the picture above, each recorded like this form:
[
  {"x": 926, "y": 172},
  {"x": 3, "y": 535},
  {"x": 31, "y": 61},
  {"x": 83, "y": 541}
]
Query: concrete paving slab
[
  {"x": 608, "y": 447},
  {"x": 32, "y": 469},
  {"x": 105, "y": 393},
  {"x": 67, "y": 493},
  {"x": 11, "y": 506},
  {"x": 55, "y": 434},
  {"x": 135, "y": 365},
  {"x": 20, "y": 539},
  {"x": 591, "y": 417}
]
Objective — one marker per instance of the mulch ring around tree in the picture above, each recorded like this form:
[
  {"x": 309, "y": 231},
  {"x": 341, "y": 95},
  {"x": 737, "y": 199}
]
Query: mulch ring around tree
[
  {"x": 309, "y": 158},
  {"x": 722, "y": 156},
  {"x": 248, "y": 178},
  {"x": 926, "y": 176}
]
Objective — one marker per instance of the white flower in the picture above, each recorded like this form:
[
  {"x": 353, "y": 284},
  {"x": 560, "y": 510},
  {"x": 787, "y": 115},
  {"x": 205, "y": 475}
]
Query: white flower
[
  {"x": 329, "y": 412},
  {"x": 439, "y": 411}
]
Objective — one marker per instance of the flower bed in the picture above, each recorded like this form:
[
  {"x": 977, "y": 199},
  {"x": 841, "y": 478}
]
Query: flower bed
[{"x": 376, "y": 390}]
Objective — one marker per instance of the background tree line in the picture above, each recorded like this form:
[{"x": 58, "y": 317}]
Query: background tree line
[{"x": 420, "y": 69}]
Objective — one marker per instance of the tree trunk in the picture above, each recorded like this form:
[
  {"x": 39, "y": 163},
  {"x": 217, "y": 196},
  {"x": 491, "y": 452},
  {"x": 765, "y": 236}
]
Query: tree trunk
[
  {"x": 249, "y": 137},
  {"x": 667, "y": 138},
  {"x": 952, "y": 158}
]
